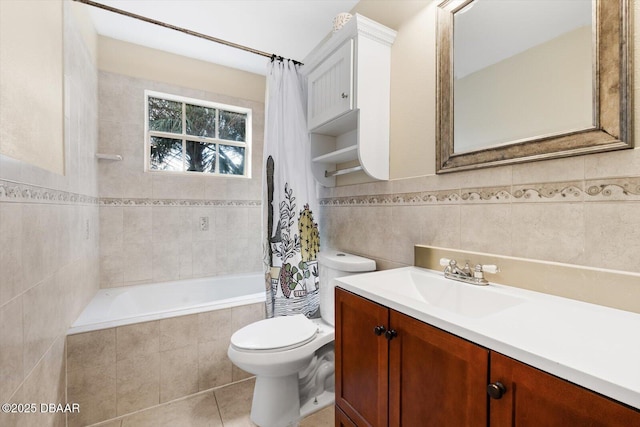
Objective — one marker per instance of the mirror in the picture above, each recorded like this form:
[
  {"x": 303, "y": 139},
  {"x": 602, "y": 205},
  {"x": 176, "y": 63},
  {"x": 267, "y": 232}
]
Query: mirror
[{"x": 529, "y": 80}]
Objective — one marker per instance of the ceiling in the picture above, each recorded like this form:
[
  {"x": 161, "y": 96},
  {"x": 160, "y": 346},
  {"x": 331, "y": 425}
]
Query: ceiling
[{"x": 288, "y": 28}]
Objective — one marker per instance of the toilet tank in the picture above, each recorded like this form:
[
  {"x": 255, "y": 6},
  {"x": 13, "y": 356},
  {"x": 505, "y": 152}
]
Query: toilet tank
[{"x": 333, "y": 264}]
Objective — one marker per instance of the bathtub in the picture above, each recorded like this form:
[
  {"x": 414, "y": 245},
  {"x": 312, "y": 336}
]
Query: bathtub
[{"x": 141, "y": 303}]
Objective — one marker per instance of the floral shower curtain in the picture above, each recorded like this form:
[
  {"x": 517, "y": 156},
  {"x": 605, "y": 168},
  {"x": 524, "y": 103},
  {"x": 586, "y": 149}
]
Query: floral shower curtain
[{"x": 292, "y": 239}]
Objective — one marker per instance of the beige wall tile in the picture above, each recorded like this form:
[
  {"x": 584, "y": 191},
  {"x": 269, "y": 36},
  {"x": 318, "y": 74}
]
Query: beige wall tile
[
  {"x": 613, "y": 240},
  {"x": 11, "y": 343},
  {"x": 485, "y": 228},
  {"x": 89, "y": 349},
  {"x": 214, "y": 366},
  {"x": 178, "y": 332},
  {"x": 178, "y": 372},
  {"x": 137, "y": 262},
  {"x": 140, "y": 339},
  {"x": 46, "y": 384},
  {"x": 11, "y": 282},
  {"x": 166, "y": 261},
  {"x": 93, "y": 387},
  {"x": 242, "y": 315},
  {"x": 138, "y": 383},
  {"x": 552, "y": 232},
  {"x": 215, "y": 326},
  {"x": 137, "y": 224},
  {"x": 43, "y": 320}
]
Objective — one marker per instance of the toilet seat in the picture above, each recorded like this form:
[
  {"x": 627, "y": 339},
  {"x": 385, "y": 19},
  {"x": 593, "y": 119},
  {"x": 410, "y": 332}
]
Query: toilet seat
[{"x": 276, "y": 334}]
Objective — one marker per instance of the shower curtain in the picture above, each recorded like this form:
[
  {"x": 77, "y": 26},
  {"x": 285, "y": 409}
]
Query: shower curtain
[{"x": 292, "y": 238}]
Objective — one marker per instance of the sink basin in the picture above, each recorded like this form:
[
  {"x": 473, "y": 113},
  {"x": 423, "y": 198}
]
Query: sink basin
[{"x": 424, "y": 287}]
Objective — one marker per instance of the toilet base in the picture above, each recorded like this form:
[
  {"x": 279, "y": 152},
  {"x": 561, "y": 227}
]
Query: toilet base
[
  {"x": 327, "y": 398},
  {"x": 275, "y": 401}
]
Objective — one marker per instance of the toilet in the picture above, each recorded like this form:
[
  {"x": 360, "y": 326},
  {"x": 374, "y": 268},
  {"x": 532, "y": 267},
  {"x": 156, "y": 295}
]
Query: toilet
[{"x": 295, "y": 370}]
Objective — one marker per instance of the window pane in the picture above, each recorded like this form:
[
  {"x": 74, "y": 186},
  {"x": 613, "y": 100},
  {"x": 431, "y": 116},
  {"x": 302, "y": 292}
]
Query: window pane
[
  {"x": 232, "y": 125},
  {"x": 166, "y": 154},
  {"x": 231, "y": 160},
  {"x": 165, "y": 115},
  {"x": 201, "y": 157},
  {"x": 201, "y": 121}
]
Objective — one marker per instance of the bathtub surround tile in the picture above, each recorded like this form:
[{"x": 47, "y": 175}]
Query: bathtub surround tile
[
  {"x": 87, "y": 350},
  {"x": 43, "y": 320},
  {"x": 137, "y": 263},
  {"x": 120, "y": 370},
  {"x": 137, "y": 224},
  {"x": 140, "y": 339},
  {"x": 214, "y": 367},
  {"x": 137, "y": 383},
  {"x": 178, "y": 332},
  {"x": 166, "y": 262},
  {"x": 178, "y": 373},
  {"x": 46, "y": 383},
  {"x": 11, "y": 343},
  {"x": 11, "y": 280}
]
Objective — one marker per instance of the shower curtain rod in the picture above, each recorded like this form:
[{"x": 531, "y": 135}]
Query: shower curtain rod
[{"x": 184, "y": 30}]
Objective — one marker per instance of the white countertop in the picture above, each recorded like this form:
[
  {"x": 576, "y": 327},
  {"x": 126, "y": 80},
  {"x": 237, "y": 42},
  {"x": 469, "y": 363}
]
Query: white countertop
[{"x": 590, "y": 345}]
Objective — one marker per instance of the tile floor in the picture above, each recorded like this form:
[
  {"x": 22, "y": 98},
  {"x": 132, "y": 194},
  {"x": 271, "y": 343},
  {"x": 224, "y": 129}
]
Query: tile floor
[{"x": 227, "y": 406}]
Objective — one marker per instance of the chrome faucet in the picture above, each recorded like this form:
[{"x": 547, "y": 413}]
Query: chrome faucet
[{"x": 466, "y": 274}]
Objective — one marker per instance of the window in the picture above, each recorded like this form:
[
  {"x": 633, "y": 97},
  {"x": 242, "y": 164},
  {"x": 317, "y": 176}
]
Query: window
[{"x": 194, "y": 136}]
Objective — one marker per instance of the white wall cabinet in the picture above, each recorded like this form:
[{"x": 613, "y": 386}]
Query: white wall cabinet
[{"x": 348, "y": 82}]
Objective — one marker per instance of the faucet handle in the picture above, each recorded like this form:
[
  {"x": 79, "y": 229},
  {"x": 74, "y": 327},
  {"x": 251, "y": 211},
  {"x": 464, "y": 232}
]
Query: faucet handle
[
  {"x": 445, "y": 261},
  {"x": 489, "y": 268}
]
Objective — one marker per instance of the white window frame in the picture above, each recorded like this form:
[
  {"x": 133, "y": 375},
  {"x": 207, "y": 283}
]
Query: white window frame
[{"x": 184, "y": 137}]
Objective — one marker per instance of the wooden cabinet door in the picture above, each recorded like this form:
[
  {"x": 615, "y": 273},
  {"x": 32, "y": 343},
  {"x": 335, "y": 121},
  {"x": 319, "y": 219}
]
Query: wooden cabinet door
[
  {"x": 330, "y": 87},
  {"x": 533, "y": 398},
  {"x": 342, "y": 420},
  {"x": 362, "y": 359},
  {"x": 435, "y": 378}
]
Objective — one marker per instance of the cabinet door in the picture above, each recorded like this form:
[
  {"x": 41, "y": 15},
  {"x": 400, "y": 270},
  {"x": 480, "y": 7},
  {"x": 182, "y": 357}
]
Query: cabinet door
[
  {"x": 342, "y": 420},
  {"x": 534, "y": 398},
  {"x": 330, "y": 87},
  {"x": 361, "y": 359},
  {"x": 435, "y": 378}
]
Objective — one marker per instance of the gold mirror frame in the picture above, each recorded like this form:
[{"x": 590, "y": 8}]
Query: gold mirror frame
[{"x": 612, "y": 101}]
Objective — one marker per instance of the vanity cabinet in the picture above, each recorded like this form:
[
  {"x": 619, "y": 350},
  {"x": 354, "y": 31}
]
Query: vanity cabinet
[
  {"x": 348, "y": 85},
  {"x": 534, "y": 398},
  {"x": 394, "y": 370}
]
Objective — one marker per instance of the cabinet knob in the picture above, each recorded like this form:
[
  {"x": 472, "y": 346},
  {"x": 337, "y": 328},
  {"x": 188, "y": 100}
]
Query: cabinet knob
[
  {"x": 379, "y": 330},
  {"x": 496, "y": 390},
  {"x": 344, "y": 95},
  {"x": 391, "y": 334}
]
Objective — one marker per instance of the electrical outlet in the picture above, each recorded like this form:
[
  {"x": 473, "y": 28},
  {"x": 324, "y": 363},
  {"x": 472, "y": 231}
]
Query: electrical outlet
[{"x": 204, "y": 223}]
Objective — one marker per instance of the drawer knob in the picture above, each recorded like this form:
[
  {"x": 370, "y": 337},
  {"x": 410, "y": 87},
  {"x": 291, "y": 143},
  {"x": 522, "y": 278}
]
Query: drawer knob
[
  {"x": 379, "y": 330},
  {"x": 344, "y": 95},
  {"x": 391, "y": 334},
  {"x": 496, "y": 390}
]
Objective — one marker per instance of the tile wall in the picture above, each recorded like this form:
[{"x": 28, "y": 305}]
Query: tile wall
[
  {"x": 150, "y": 222},
  {"x": 580, "y": 211},
  {"x": 49, "y": 247},
  {"x": 116, "y": 371}
]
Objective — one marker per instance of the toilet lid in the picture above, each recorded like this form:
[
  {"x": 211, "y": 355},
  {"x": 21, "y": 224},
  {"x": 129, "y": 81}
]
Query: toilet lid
[{"x": 278, "y": 333}]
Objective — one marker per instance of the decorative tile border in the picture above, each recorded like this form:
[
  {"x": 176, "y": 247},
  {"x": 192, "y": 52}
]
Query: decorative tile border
[
  {"x": 24, "y": 193},
  {"x": 611, "y": 189},
  {"x": 178, "y": 202}
]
